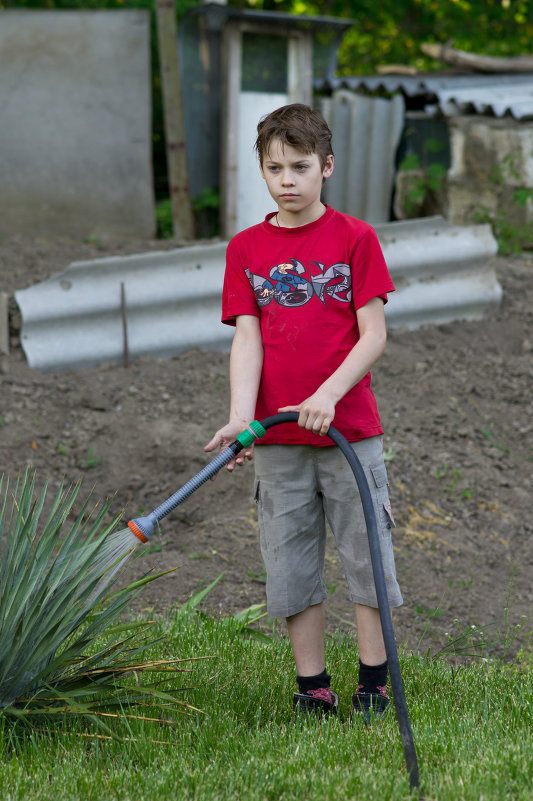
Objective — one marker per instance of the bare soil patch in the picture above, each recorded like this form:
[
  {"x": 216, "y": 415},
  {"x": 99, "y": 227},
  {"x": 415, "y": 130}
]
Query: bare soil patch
[{"x": 457, "y": 410}]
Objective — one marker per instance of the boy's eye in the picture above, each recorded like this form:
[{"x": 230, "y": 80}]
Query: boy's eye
[{"x": 301, "y": 167}]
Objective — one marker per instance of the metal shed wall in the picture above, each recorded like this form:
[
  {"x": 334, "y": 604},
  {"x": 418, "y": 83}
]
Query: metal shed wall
[{"x": 366, "y": 133}]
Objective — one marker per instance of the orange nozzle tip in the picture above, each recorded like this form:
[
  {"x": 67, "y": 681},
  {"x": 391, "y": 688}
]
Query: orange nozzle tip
[{"x": 137, "y": 531}]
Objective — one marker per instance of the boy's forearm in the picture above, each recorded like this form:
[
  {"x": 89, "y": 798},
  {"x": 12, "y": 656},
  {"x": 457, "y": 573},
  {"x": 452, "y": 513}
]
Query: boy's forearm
[
  {"x": 370, "y": 346},
  {"x": 246, "y": 362},
  {"x": 317, "y": 412},
  {"x": 356, "y": 365}
]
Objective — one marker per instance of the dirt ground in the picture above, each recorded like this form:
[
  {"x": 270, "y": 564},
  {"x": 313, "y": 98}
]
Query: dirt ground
[{"x": 457, "y": 409}]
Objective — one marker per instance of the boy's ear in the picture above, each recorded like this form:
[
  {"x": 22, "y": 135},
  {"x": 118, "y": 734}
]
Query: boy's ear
[{"x": 328, "y": 169}]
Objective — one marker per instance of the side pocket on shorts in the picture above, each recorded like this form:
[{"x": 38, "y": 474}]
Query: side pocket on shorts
[{"x": 379, "y": 473}]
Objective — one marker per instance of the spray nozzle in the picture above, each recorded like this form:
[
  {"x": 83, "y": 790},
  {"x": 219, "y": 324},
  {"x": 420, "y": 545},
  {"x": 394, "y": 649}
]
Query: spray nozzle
[{"x": 143, "y": 527}]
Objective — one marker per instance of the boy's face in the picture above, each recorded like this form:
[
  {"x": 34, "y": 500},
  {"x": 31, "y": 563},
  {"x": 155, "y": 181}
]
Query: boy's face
[{"x": 294, "y": 179}]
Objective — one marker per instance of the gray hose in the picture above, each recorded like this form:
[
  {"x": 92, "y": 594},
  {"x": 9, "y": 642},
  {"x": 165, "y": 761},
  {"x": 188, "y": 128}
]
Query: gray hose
[
  {"x": 145, "y": 525},
  {"x": 381, "y": 591}
]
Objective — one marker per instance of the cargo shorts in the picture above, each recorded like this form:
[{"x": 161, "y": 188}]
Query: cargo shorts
[{"x": 297, "y": 489}]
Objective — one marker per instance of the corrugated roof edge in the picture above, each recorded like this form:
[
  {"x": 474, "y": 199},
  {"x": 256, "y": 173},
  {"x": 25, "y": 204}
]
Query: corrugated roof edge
[{"x": 497, "y": 95}]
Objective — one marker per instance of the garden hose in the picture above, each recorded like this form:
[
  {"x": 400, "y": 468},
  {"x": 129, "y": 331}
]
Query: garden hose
[
  {"x": 381, "y": 591},
  {"x": 143, "y": 527}
]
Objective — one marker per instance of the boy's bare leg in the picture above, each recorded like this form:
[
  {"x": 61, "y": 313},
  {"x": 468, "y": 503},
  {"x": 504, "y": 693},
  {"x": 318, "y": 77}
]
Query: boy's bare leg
[
  {"x": 306, "y": 633},
  {"x": 369, "y": 635}
]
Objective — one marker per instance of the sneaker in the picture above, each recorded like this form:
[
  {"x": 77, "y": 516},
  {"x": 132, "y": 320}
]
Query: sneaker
[
  {"x": 315, "y": 704},
  {"x": 370, "y": 706}
]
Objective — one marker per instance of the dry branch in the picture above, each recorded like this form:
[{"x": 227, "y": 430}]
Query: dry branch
[
  {"x": 396, "y": 69},
  {"x": 475, "y": 61}
]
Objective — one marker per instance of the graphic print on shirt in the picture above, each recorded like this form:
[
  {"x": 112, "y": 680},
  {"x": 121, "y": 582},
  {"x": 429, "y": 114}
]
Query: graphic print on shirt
[
  {"x": 287, "y": 286},
  {"x": 335, "y": 282}
]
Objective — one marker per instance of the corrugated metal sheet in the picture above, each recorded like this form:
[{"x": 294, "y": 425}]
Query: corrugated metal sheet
[
  {"x": 497, "y": 95},
  {"x": 366, "y": 133},
  {"x": 442, "y": 272},
  {"x": 172, "y": 302},
  {"x": 496, "y": 101}
]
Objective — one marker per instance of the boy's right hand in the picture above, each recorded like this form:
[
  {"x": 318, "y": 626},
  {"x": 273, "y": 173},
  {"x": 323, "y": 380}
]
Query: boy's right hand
[{"x": 228, "y": 434}]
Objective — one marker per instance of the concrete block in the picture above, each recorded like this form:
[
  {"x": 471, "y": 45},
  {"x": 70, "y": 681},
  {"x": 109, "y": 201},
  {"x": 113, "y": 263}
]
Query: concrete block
[
  {"x": 492, "y": 160},
  {"x": 75, "y": 144}
]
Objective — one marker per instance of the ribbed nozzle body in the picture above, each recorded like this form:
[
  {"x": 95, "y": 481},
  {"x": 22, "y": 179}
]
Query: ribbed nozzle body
[{"x": 142, "y": 527}]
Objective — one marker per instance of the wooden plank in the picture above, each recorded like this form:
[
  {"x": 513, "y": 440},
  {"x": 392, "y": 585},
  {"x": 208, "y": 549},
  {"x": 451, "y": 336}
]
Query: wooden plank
[
  {"x": 300, "y": 68},
  {"x": 182, "y": 213},
  {"x": 4, "y": 323},
  {"x": 232, "y": 61}
]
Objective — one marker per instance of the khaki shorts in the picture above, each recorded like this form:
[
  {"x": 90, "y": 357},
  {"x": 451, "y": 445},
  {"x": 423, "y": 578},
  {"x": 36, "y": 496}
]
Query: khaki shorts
[{"x": 298, "y": 488}]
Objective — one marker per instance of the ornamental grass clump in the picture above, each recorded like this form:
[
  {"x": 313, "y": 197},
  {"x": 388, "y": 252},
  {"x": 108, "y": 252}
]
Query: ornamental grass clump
[{"x": 63, "y": 648}]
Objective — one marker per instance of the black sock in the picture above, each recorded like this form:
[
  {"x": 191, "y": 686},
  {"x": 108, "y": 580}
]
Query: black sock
[
  {"x": 306, "y": 683},
  {"x": 372, "y": 677}
]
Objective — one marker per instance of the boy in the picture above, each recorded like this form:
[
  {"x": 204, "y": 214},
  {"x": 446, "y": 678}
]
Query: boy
[{"x": 306, "y": 290}]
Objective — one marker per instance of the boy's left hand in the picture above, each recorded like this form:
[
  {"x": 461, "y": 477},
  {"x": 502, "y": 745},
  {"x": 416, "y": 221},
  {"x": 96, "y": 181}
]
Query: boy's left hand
[
  {"x": 225, "y": 436},
  {"x": 316, "y": 413}
]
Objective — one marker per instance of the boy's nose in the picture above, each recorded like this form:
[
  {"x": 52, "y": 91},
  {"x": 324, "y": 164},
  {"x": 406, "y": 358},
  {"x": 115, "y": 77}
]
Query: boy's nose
[{"x": 287, "y": 178}]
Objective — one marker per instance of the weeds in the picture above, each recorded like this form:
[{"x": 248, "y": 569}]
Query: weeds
[
  {"x": 471, "y": 642},
  {"x": 91, "y": 460},
  {"x": 163, "y": 216},
  {"x": 389, "y": 454},
  {"x": 206, "y": 207},
  {"x": 487, "y": 433},
  {"x": 426, "y": 180},
  {"x": 453, "y": 479},
  {"x": 512, "y": 237}
]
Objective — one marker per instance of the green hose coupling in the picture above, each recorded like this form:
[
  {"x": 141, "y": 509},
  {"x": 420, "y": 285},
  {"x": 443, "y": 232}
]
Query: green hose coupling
[{"x": 254, "y": 431}]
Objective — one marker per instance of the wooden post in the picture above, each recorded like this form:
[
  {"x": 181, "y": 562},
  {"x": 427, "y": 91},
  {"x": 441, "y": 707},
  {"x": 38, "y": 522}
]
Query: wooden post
[
  {"x": 232, "y": 77},
  {"x": 4, "y": 324},
  {"x": 124, "y": 314},
  {"x": 167, "y": 34}
]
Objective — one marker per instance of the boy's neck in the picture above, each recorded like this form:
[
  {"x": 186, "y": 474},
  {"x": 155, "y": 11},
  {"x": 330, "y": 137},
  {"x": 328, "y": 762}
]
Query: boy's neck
[{"x": 284, "y": 219}]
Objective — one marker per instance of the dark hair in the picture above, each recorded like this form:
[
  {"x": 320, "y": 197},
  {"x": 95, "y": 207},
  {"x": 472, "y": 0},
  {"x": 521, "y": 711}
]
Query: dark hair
[{"x": 298, "y": 126}]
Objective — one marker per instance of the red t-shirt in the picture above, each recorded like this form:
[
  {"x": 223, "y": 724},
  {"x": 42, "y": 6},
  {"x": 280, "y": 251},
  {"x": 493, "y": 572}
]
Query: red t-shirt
[{"x": 305, "y": 285}]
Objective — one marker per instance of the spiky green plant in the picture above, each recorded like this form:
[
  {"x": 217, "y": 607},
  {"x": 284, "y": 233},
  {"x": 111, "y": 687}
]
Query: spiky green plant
[{"x": 62, "y": 646}]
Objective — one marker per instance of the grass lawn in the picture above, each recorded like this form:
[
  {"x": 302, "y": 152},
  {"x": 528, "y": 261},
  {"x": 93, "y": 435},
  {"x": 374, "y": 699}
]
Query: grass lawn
[{"x": 472, "y": 728}]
